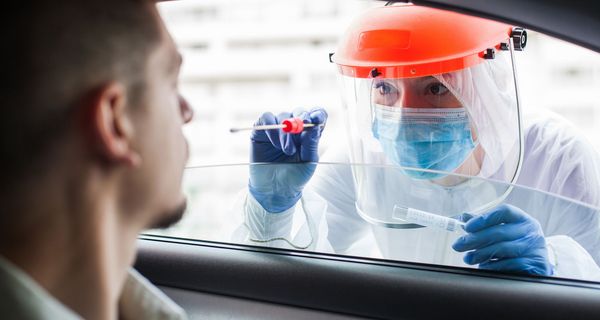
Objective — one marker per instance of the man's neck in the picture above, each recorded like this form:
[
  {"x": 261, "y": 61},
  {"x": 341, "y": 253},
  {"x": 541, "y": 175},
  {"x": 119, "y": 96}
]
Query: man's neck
[{"x": 79, "y": 252}]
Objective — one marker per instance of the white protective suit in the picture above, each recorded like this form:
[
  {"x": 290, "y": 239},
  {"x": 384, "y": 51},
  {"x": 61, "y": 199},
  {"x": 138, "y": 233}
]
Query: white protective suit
[{"x": 556, "y": 160}]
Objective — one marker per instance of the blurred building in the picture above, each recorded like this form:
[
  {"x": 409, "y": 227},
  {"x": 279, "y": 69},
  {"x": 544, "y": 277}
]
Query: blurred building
[
  {"x": 564, "y": 78},
  {"x": 244, "y": 57}
]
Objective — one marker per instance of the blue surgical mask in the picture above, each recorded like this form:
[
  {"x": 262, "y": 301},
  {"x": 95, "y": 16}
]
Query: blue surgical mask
[{"x": 424, "y": 138}]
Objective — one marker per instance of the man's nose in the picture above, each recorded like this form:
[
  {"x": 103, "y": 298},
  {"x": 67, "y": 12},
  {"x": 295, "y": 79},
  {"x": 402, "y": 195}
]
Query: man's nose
[{"x": 187, "y": 113}]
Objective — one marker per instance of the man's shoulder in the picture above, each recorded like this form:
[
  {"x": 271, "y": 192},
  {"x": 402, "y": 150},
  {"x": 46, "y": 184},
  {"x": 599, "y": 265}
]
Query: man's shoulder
[
  {"x": 13, "y": 304},
  {"x": 140, "y": 299},
  {"x": 22, "y": 298}
]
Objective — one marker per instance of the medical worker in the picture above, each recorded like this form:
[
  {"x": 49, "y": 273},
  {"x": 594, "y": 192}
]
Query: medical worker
[{"x": 431, "y": 105}]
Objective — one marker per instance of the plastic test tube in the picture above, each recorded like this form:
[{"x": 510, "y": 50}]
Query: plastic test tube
[
  {"x": 427, "y": 219},
  {"x": 292, "y": 125}
]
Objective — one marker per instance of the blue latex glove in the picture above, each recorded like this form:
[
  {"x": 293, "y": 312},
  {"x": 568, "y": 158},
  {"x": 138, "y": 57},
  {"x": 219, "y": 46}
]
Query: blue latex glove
[
  {"x": 278, "y": 187},
  {"x": 505, "y": 239}
]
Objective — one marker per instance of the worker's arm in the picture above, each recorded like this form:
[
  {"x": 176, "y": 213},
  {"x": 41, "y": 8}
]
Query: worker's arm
[
  {"x": 505, "y": 239},
  {"x": 282, "y": 164},
  {"x": 291, "y": 160}
]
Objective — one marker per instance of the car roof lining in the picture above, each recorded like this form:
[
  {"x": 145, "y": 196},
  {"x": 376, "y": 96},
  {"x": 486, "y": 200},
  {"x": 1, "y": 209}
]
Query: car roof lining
[{"x": 579, "y": 24}]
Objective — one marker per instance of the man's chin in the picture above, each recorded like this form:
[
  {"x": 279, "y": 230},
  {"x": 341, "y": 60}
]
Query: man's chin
[{"x": 169, "y": 218}]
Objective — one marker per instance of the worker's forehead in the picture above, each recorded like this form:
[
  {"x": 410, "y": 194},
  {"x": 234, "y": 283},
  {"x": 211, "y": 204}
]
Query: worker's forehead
[{"x": 408, "y": 80}]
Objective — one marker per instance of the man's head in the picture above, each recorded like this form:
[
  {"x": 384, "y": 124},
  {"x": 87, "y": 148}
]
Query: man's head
[{"x": 91, "y": 93}]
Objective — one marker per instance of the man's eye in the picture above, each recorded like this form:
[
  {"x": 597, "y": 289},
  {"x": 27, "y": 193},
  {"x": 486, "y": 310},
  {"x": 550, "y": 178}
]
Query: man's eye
[{"x": 437, "y": 89}]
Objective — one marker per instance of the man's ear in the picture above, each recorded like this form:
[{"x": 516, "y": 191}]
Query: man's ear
[{"x": 109, "y": 125}]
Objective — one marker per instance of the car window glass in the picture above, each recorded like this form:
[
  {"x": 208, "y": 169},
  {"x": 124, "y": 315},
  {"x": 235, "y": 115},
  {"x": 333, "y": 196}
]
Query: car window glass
[{"x": 242, "y": 58}]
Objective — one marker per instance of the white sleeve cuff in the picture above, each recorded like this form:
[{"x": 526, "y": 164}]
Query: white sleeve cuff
[
  {"x": 264, "y": 225},
  {"x": 570, "y": 259}
]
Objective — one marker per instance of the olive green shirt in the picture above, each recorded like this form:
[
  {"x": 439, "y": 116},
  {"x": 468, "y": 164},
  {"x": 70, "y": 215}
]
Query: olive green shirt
[{"x": 22, "y": 298}]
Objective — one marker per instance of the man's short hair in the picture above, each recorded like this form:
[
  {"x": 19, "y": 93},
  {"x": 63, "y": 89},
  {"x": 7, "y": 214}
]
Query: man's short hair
[{"x": 54, "y": 53}]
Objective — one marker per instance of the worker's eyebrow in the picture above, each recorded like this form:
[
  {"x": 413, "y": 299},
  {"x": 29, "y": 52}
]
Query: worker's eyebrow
[{"x": 428, "y": 78}]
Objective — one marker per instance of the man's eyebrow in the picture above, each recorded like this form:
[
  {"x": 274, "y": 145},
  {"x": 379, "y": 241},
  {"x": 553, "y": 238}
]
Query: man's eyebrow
[
  {"x": 179, "y": 59},
  {"x": 176, "y": 61}
]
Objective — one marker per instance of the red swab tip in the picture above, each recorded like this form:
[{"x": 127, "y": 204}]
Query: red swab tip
[{"x": 293, "y": 125}]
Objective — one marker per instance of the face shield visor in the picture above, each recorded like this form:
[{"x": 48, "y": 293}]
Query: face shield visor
[{"x": 433, "y": 143}]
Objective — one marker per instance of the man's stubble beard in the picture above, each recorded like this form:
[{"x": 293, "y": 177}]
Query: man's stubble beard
[{"x": 169, "y": 218}]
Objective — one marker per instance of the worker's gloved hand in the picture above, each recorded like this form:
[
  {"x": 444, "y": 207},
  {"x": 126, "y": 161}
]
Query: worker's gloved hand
[
  {"x": 505, "y": 239},
  {"x": 278, "y": 187}
]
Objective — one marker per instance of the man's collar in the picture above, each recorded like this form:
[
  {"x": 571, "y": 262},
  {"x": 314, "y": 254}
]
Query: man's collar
[{"x": 22, "y": 298}]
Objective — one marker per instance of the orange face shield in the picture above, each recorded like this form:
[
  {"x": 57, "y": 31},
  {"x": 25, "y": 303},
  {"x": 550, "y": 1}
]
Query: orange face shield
[
  {"x": 431, "y": 94},
  {"x": 410, "y": 41}
]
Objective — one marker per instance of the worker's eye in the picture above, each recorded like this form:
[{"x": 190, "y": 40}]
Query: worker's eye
[
  {"x": 436, "y": 89},
  {"x": 385, "y": 93},
  {"x": 384, "y": 88}
]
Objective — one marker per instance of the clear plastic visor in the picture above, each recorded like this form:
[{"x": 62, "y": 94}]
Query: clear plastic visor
[{"x": 438, "y": 131}]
